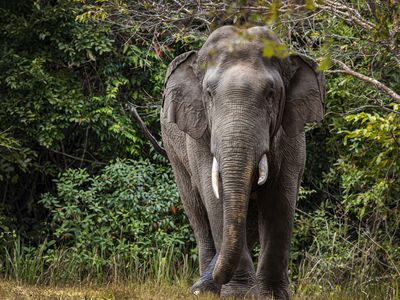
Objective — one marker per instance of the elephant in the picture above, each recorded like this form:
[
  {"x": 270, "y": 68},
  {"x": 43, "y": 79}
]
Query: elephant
[{"x": 232, "y": 124}]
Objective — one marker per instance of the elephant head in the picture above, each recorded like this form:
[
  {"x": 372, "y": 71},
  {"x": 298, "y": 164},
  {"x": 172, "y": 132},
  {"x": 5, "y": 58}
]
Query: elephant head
[{"x": 239, "y": 99}]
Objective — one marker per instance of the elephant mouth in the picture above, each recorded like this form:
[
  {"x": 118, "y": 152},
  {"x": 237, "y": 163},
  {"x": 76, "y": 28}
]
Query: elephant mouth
[{"x": 262, "y": 175}]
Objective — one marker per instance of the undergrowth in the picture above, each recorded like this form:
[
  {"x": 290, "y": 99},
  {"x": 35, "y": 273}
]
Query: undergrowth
[
  {"x": 62, "y": 266},
  {"x": 320, "y": 274},
  {"x": 126, "y": 224}
]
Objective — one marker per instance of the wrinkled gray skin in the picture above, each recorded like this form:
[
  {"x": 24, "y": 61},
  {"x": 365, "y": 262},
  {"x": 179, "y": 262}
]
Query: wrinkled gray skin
[{"x": 229, "y": 102}]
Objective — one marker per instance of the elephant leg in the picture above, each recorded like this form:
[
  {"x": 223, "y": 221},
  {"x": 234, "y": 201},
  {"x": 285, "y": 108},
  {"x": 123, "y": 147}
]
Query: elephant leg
[
  {"x": 213, "y": 211},
  {"x": 276, "y": 211},
  {"x": 198, "y": 219}
]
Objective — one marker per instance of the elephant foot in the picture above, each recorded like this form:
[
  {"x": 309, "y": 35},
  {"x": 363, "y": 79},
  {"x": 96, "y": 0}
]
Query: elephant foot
[
  {"x": 205, "y": 285},
  {"x": 278, "y": 293},
  {"x": 241, "y": 286}
]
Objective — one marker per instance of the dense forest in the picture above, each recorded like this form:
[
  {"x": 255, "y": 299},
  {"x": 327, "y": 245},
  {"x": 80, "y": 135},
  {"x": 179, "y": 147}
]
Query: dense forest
[{"x": 84, "y": 195}]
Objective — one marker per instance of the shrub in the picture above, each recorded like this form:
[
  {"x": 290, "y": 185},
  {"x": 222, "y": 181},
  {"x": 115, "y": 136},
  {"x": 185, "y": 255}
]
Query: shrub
[{"x": 130, "y": 210}]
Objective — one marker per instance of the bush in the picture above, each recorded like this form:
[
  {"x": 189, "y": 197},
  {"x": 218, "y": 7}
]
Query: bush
[{"x": 130, "y": 210}]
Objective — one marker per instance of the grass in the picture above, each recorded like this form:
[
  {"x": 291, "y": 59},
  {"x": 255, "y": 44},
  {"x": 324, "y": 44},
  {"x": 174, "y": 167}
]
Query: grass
[
  {"x": 31, "y": 273},
  {"x": 62, "y": 266},
  {"x": 10, "y": 290},
  {"x": 151, "y": 290}
]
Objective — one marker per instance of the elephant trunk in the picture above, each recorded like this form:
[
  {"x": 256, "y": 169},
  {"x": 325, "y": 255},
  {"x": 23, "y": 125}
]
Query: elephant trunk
[
  {"x": 237, "y": 145},
  {"x": 237, "y": 173}
]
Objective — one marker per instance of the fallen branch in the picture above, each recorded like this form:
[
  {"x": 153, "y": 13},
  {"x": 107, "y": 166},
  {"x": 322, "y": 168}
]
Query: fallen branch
[
  {"x": 146, "y": 132},
  {"x": 376, "y": 83}
]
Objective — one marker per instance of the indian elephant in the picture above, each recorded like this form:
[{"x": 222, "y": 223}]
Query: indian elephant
[{"x": 233, "y": 127}]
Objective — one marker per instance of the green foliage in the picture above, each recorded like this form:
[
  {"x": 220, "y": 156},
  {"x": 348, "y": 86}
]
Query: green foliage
[
  {"x": 72, "y": 81},
  {"x": 273, "y": 49},
  {"x": 129, "y": 209},
  {"x": 8, "y": 233},
  {"x": 12, "y": 156},
  {"x": 125, "y": 223},
  {"x": 370, "y": 169},
  {"x": 64, "y": 88}
]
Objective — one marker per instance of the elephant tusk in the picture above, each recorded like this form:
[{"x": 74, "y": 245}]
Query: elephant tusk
[
  {"x": 262, "y": 170},
  {"x": 215, "y": 178}
]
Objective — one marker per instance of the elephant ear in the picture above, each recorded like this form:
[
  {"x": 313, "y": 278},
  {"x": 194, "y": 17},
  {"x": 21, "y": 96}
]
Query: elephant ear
[
  {"x": 182, "y": 103},
  {"x": 305, "y": 96}
]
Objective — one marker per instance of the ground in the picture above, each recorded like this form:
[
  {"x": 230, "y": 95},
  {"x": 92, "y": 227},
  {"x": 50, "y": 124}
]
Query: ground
[
  {"x": 15, "y": 291},
  {"x": 148, "y": 291}
]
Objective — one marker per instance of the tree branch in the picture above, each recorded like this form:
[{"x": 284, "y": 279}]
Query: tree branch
[
  {"x": 376, "y": 83},
  {"x": 146, "y": 132},
  {"x": 352, "y": 16},
  {"x": 346, "y": 13},
  {"x": 77, "y": 158}
]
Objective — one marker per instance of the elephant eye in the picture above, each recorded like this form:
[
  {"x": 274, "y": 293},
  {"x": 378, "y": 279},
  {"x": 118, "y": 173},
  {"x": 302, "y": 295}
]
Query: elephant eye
[
  {"x": 209, "y": 92},
  {"x": 270, "y": 93}
]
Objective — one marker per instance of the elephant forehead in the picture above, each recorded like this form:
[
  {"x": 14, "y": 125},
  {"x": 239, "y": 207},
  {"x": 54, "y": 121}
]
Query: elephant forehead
[
  {"x": 244, "y": 57},
  {"x": 233, "y": 42},
  {"x": 233, "y": 49},
  {"x": 247, "y": 75},
  {"x": 234, "y": 35}
]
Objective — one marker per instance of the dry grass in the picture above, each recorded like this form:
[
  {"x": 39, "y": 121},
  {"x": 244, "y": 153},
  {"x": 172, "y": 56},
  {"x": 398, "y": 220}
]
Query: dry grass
[{"x": 15, "y": 291}]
